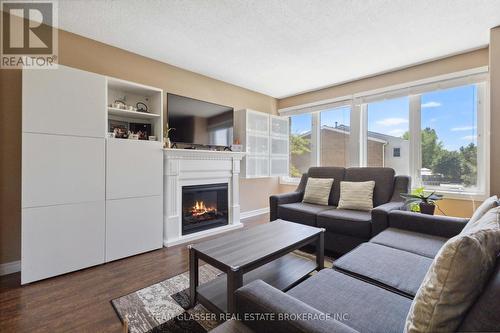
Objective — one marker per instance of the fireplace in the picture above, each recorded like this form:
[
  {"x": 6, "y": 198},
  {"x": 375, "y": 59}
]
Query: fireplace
[{"x": 204, "y": 207}]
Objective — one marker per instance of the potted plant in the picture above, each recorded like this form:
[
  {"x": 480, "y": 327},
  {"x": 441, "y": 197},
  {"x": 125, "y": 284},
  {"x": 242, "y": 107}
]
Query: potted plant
[
  {"x": 418, "y": 201},
  {"x": 166, "y": 139}
]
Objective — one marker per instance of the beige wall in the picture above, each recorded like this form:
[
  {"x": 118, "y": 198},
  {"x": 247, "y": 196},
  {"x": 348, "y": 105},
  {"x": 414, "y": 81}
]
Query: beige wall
[
  {"x": 89, "y": 55},
  {"x": 452, "y": 64}
]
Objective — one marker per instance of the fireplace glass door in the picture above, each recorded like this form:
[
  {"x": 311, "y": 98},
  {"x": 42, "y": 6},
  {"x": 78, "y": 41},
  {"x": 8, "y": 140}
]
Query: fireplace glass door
[{"x": 204, "y": 207}]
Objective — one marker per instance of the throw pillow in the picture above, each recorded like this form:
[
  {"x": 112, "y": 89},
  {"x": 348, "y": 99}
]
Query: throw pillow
[
  {"x": 455, "y": 278},
  {"x": 318, "y": 190},
  {"x": 487, "y": 204},
  {"x": 356, "y": 195}
]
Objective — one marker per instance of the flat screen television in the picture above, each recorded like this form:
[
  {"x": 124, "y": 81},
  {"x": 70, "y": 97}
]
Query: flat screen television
[{"x": 198, "y": 122}]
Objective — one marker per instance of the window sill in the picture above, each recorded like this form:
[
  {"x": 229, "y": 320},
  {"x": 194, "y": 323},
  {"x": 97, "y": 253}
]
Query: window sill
[
  {"x": 456, "y": 195},
  {"x": 289, "y": 181}
]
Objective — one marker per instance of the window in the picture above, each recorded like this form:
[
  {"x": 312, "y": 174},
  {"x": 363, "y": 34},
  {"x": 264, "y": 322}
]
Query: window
[
  {"x": 300, "y": 144},
  {"x": 335, "y": 134},
  {"x": 449, "y": 143},
  {"x": 432, "y": 132},
  {"x": 388, "y": 128}
]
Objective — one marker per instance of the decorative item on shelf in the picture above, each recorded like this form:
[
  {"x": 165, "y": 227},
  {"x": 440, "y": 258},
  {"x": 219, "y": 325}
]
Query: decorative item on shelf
[
  {"x": 237, "y": 148},
  {"x": 152, "y": 138},
  {"x": 141, "y": 107},
  {"x": 143, "y": 130},
  {"x": 166, "y": 139},
  {"x": 120, "y": 133},
  {"x": 119, "y": 104},
  {"x": 133, "y": 136},
  {"x": 418, "y": 201},
  {"x": 118, "y": 128}
]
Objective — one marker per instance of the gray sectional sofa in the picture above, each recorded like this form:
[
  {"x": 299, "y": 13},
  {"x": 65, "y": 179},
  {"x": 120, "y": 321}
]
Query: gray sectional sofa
[
  {"x": 370, "y": 289},
  {"x": 345, "y": 229}
]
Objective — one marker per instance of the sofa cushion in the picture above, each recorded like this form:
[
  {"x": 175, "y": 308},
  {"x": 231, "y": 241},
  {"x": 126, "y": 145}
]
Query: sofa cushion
[
  {"x": 363, "y": 306},
  {"x": 347, "y": 222},
  {"x": 455, "y": 279},
  {"x": 384, "y": 181},
  {"x": 301, "y": 212},
  {"x": 356, "y": 195},
  {"x": 318, "y": 190},
  {"x": 414, "y": 242},
  {"x": 337, "y": 173},
  {"x": 398, "y": 270}
]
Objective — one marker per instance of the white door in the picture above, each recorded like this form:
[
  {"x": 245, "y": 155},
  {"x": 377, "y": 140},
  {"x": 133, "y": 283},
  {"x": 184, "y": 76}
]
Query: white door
[
  {"x": 279, "y": 156},
  {"x": 61, "y": 169},
  {"x": 64, "y": 101},
  {"x": 133, "y": 226},
  {"x": 134, "y": 168},
  {"x": 60, "y": 239}
]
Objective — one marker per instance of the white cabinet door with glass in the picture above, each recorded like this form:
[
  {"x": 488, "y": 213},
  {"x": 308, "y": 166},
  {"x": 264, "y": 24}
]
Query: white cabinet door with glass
[
  {"x": 279, "y": 135},
  {"x": 265, "y": 140}
]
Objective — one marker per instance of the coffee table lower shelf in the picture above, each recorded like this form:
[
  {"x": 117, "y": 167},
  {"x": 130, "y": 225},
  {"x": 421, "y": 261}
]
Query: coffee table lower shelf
[{"x": 282, "y": 273}]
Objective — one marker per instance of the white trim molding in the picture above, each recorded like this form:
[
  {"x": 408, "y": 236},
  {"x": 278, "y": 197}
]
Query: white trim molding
[
  {"x": 10, "y": 267},
  {"x": 358, "y": 138},
  {"x": 255, "y": 212}
]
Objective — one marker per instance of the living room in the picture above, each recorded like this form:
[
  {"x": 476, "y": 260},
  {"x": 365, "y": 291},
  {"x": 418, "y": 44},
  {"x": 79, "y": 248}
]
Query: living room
[{"x": 250, "y": 166}]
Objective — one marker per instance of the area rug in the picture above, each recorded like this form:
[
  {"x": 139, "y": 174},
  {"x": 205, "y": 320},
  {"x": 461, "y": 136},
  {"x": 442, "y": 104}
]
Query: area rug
[{"x": 164, "y": 306}]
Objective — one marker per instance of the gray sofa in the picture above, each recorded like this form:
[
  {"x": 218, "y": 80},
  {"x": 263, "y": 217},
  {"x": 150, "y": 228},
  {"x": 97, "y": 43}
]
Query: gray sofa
[
  {"x": 345, "y": 229},
  {"x": 370, "y": 289}
]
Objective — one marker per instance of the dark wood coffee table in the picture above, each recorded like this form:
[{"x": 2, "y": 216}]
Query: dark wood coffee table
[{"x": 262, "y": 252}]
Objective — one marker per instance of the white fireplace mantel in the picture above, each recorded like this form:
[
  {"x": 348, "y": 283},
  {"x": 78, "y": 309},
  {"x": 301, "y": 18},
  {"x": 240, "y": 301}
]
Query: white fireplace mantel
[{"x": 184, "y": 167}]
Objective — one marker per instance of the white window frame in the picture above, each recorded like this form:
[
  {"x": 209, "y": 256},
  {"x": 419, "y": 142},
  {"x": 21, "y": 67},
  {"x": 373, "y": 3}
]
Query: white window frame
[{"x": 358, "y": 125}]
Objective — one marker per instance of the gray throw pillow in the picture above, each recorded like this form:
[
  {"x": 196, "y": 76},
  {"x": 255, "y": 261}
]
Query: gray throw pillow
[{"x": 318, "y": 190}]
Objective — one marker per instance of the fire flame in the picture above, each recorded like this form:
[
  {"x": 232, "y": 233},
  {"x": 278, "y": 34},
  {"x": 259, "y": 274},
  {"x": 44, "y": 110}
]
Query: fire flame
[{"x": 199, "y": 209}]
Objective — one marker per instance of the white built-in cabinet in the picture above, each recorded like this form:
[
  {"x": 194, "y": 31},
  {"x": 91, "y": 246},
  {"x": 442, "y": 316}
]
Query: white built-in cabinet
[
  {"x": 265, "y": 140},
  {"x": 86, "y": 198}
]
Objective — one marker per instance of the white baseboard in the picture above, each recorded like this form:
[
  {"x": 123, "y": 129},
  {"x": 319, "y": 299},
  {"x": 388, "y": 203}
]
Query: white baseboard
[
  {"x": 10, "y": 267},
  {"x": 252, "y": 213}
]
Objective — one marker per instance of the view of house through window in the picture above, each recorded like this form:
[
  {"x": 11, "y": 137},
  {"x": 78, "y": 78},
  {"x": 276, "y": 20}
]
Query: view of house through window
[
  {"x": 334, "y": 136},
  {"x": 300, "y": 144},
  {"x": 449, "y": 138},
  {"x": 387, "y": 138},
  {"x": 447, "y": 156}
]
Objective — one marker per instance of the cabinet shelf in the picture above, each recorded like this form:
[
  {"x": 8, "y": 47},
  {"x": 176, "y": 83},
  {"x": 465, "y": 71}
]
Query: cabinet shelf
[{"x": 131, "y": 114}]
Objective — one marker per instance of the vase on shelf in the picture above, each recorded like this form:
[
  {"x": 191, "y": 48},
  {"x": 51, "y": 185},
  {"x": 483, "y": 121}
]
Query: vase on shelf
[{"x": 167, "y": 143}]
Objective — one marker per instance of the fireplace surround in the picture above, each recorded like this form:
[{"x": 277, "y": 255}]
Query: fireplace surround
[{"x": 187, "y": 171}]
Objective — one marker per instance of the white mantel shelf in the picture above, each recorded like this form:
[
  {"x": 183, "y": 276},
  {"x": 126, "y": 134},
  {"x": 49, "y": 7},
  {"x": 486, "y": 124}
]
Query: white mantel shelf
[
  {"x": 186, "y": 167},
  {"x": 203, "y": 154}
]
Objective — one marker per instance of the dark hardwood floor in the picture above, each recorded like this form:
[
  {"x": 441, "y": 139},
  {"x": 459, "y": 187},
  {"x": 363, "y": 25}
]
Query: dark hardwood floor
[{"x": 80, "y": 301}]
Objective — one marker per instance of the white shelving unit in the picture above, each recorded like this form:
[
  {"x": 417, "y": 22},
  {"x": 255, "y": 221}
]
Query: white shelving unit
[
  {"x": 265, "y": 138},
  {"x": 132, "y": 93},
  {"x": 63, "y": 172},
  {"x": 134, "y": 174},
  {"x": 86, "y": 199},
  {"x": 131, "y": 114}
]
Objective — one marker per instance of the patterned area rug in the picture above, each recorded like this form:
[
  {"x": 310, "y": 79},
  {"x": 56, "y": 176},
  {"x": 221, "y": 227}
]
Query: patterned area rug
[{"x": 164, "y": 306}]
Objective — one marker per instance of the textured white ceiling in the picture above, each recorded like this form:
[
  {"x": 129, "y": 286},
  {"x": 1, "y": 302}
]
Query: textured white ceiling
[{"x": 281, "y": 48}]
